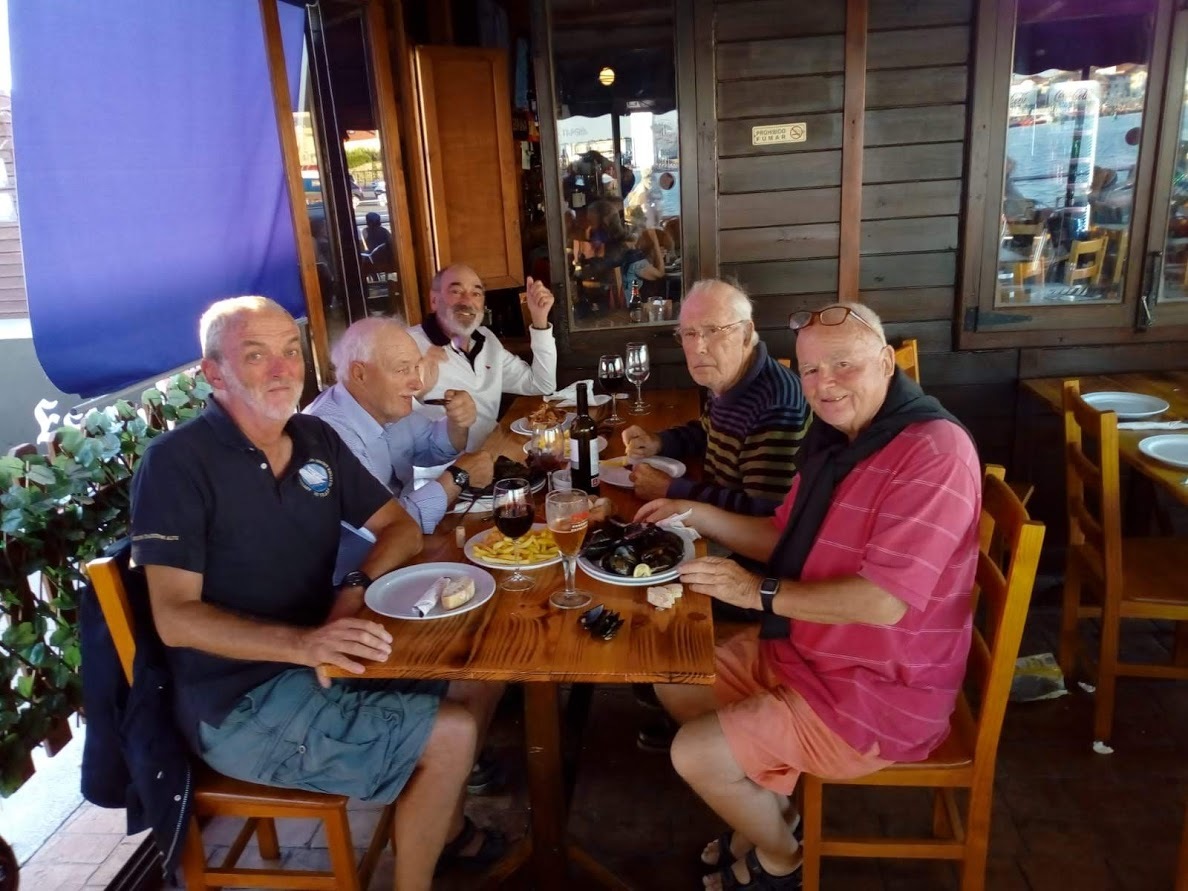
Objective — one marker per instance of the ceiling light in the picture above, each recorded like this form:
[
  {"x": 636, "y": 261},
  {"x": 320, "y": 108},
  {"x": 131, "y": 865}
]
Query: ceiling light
[{"x": 606, "y": 76}]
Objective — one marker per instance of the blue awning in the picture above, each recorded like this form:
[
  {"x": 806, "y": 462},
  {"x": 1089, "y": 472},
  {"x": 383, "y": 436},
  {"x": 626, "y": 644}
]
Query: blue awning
[{"x": 150, "y": 181}]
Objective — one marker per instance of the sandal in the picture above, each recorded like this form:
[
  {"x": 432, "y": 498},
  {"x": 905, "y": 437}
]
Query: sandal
[
  {"x": 727, "y": 837},
  {"x": 760, "y": 878},
  {"x": 493, "y": 847}
]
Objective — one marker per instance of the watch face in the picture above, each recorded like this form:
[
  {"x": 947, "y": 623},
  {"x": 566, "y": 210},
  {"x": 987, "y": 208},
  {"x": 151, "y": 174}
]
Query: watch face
[
  {"x": 461, "y": 477},
  {"x": 355, "y": 579}
]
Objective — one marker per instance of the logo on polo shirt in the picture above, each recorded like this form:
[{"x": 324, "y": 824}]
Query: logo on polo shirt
[{"x": 316, "y": 476}]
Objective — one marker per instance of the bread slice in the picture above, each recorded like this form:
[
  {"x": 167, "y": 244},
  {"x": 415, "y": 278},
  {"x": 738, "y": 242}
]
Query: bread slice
[
  {"x": 457, "y": 592},
  {"x": 665, "y": 596}
]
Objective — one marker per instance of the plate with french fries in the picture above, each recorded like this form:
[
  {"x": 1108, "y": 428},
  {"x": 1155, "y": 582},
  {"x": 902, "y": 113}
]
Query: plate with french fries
[{"x": 494, "y": 550}]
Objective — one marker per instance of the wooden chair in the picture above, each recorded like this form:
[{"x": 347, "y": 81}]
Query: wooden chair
[
  {"x": 1125, "y": 578},
  {"x": 907, "y": 357},
  {"x": 1036, "y": 264},
  {"x": 216, "y": 795},
  {"x": 966, "y": 759},
  {"x": 1094, "y": 252}
]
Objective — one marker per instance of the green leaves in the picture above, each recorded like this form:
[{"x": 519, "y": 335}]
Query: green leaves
[{"x": 56, "y": 513}]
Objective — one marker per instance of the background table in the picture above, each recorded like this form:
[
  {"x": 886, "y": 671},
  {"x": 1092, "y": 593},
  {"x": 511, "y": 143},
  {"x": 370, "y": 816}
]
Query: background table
[
  {"x": 519, "y": 637},
  {"x": 1169, "y": 385}
]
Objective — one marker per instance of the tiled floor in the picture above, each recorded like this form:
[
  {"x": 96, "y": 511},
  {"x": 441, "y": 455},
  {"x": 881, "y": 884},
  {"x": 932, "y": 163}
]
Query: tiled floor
[{"x": 1064, "y": 817}]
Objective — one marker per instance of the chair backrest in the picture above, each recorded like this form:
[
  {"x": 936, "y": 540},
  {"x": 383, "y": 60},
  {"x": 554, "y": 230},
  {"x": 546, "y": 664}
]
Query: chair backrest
[
  {"x": 1092, "y": 486},
  {"x": 1002, "y": 596},
  {"x": 108, "y": 581},
  {"x": 907, "y": 357},
  {"x": 1094, "y": 250}
]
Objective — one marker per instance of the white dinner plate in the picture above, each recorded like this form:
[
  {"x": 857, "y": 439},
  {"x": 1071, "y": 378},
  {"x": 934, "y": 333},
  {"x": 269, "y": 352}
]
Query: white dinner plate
[
  {"x": 601, "y": 442},
  {"x": 395, "y": 594},
  {"x": 468, "y": 549},
  {"x": 520, "y": 425},
  {"x": 485, "y": 505},
  {"x": 597, "y": 572},
  {"x": 1170, "y": 448},
  {"x": 1128, "y": 406},
  {"x": 617, "y": 472}
]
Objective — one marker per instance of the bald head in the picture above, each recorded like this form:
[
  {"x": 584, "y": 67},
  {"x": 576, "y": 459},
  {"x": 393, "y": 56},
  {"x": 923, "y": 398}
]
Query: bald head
[
  {"x": 360, "y": 341},
  {"x": 223, "y": 314},
  {"x": 458, "y": 297},
  {"x": 727, "y": 298},
  {"x": 379, "y": 363},
  {"x": 717, "y": 334}
]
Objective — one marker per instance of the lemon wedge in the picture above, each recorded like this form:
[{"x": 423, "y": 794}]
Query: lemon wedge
[{"x": 642, "y": 570}]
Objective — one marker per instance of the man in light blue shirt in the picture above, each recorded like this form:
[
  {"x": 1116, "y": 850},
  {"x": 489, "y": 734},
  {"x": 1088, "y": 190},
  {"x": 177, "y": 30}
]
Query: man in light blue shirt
[{"x": 379, "y": 372}]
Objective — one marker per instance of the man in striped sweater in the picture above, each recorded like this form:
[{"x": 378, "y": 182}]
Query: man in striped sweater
[{"x": 753, "y": 423}]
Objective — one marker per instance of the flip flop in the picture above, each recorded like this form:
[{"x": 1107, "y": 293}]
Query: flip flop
[
  {"x": 726, "y": 837},
  {"x": 760, "y": 878}
]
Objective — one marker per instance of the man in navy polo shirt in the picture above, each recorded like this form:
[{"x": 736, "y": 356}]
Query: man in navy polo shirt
[{"x": 235, "y": 518}]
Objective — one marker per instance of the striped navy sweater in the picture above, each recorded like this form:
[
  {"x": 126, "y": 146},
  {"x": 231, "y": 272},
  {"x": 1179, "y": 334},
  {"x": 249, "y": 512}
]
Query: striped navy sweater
[{"x": 749, "y": 437}]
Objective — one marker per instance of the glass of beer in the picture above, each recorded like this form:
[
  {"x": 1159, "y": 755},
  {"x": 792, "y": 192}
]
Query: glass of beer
[{"x": 567, "y": 514}]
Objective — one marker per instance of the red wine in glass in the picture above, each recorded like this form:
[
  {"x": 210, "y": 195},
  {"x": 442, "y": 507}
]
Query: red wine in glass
[
  {"x": 612, "y": 375},
  {"x": 514, "y": 520},
  {"x": 513, "y": 517}
]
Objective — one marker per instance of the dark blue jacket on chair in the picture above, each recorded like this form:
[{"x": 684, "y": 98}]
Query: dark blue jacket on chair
[{"x": 134, "y": 756}]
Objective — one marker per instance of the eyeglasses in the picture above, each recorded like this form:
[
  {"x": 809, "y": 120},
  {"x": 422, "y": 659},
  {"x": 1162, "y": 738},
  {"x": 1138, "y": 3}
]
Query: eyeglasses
[
  {"x": 706, "y": 333},
  {"x": 831, "y": 315}
]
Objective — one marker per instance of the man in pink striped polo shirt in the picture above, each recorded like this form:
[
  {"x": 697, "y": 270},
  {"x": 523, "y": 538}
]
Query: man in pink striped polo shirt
[{"x": 869, "y": 565}]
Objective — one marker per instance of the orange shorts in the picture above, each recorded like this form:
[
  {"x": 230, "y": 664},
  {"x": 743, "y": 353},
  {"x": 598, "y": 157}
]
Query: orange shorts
[{"x": 772, "y": 733}]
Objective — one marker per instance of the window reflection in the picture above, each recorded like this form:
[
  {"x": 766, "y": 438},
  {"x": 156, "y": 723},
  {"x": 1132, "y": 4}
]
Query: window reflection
[
  {"x": 1075, "y": 121},
  {"x": 619, "y": 165},
  {"x": 1175, "y": 248},
  {"x": 341, "y": 152}
]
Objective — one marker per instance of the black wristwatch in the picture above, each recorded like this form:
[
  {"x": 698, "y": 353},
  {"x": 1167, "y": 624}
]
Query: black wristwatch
[
  {"x": 767, "y": 593},
  {"x": 461, "y": 477},
  {"x": 355, "y": 579}
]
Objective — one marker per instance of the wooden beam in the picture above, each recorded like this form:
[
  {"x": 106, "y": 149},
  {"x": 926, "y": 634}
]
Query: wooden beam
[
  {"x": 283, "y": 105},
  {"x": 696, "y": 39},
  {"x": 408, "y": 102},
  {"x": 389, "y": 124},
  {"x": 854, "y": 113}
]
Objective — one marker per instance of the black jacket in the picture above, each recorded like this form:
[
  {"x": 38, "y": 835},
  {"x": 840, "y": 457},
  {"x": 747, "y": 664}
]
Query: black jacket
[{"x": 134, "y": 756}]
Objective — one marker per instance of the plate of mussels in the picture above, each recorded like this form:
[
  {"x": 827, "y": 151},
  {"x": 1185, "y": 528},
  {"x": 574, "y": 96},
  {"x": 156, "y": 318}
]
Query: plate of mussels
[{"x": 634, "y": 553}]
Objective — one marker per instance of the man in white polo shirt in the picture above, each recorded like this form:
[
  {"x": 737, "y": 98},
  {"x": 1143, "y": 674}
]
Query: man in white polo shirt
[{"x": 469, "y": 357}]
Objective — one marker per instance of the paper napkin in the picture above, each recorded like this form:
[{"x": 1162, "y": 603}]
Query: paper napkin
[
  {"x": 676, "y": 523},
  {"x": 1153, "y": 425}
]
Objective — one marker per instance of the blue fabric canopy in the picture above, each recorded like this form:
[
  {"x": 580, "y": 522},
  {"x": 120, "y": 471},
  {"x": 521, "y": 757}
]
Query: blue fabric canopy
[{"x": 149, "y": 178}]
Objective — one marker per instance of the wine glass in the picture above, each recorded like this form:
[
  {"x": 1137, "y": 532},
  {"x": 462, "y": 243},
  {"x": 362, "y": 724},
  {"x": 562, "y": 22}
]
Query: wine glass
[
  {"x": 513, "y": 517},
  {"x": 568, "y": 515},
  {"x": 610, "y": 376},
  {"x": 639, "y": 366}
]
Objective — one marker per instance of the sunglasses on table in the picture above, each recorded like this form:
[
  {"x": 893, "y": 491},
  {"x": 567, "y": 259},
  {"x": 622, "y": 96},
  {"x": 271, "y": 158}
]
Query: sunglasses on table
[{"x": 831, "y": 315}]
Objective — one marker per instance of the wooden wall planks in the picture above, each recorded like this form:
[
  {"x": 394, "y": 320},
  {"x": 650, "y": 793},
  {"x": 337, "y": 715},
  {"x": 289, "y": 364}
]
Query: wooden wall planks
[{"x": 806, "y": 170}]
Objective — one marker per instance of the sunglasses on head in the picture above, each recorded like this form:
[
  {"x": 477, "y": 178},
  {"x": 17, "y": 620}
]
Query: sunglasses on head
[{"x": 831, "y": 315}]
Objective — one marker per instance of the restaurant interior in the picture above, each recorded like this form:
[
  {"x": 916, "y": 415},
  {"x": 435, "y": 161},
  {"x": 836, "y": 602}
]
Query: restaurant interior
[{"x": 1004, "y": 181}]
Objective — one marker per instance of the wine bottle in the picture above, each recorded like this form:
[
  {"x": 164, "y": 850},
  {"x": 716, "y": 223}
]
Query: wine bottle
[{"x": 583, "y": 446}]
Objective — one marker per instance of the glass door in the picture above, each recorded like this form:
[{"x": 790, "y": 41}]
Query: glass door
[{"x": 1165, "y": 295}]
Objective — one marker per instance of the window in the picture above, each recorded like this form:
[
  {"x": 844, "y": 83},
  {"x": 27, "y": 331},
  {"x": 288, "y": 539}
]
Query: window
[{"x": 1083, "y": 228}]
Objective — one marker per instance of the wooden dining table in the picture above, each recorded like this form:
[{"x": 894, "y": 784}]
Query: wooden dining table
[
  {"x": 518, "y": 637},
  {"x": 1171, "y": 386}
]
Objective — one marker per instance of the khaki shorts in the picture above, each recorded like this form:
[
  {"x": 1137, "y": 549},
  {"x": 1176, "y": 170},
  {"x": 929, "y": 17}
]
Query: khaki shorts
[{"x": 772, "y": 733}]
